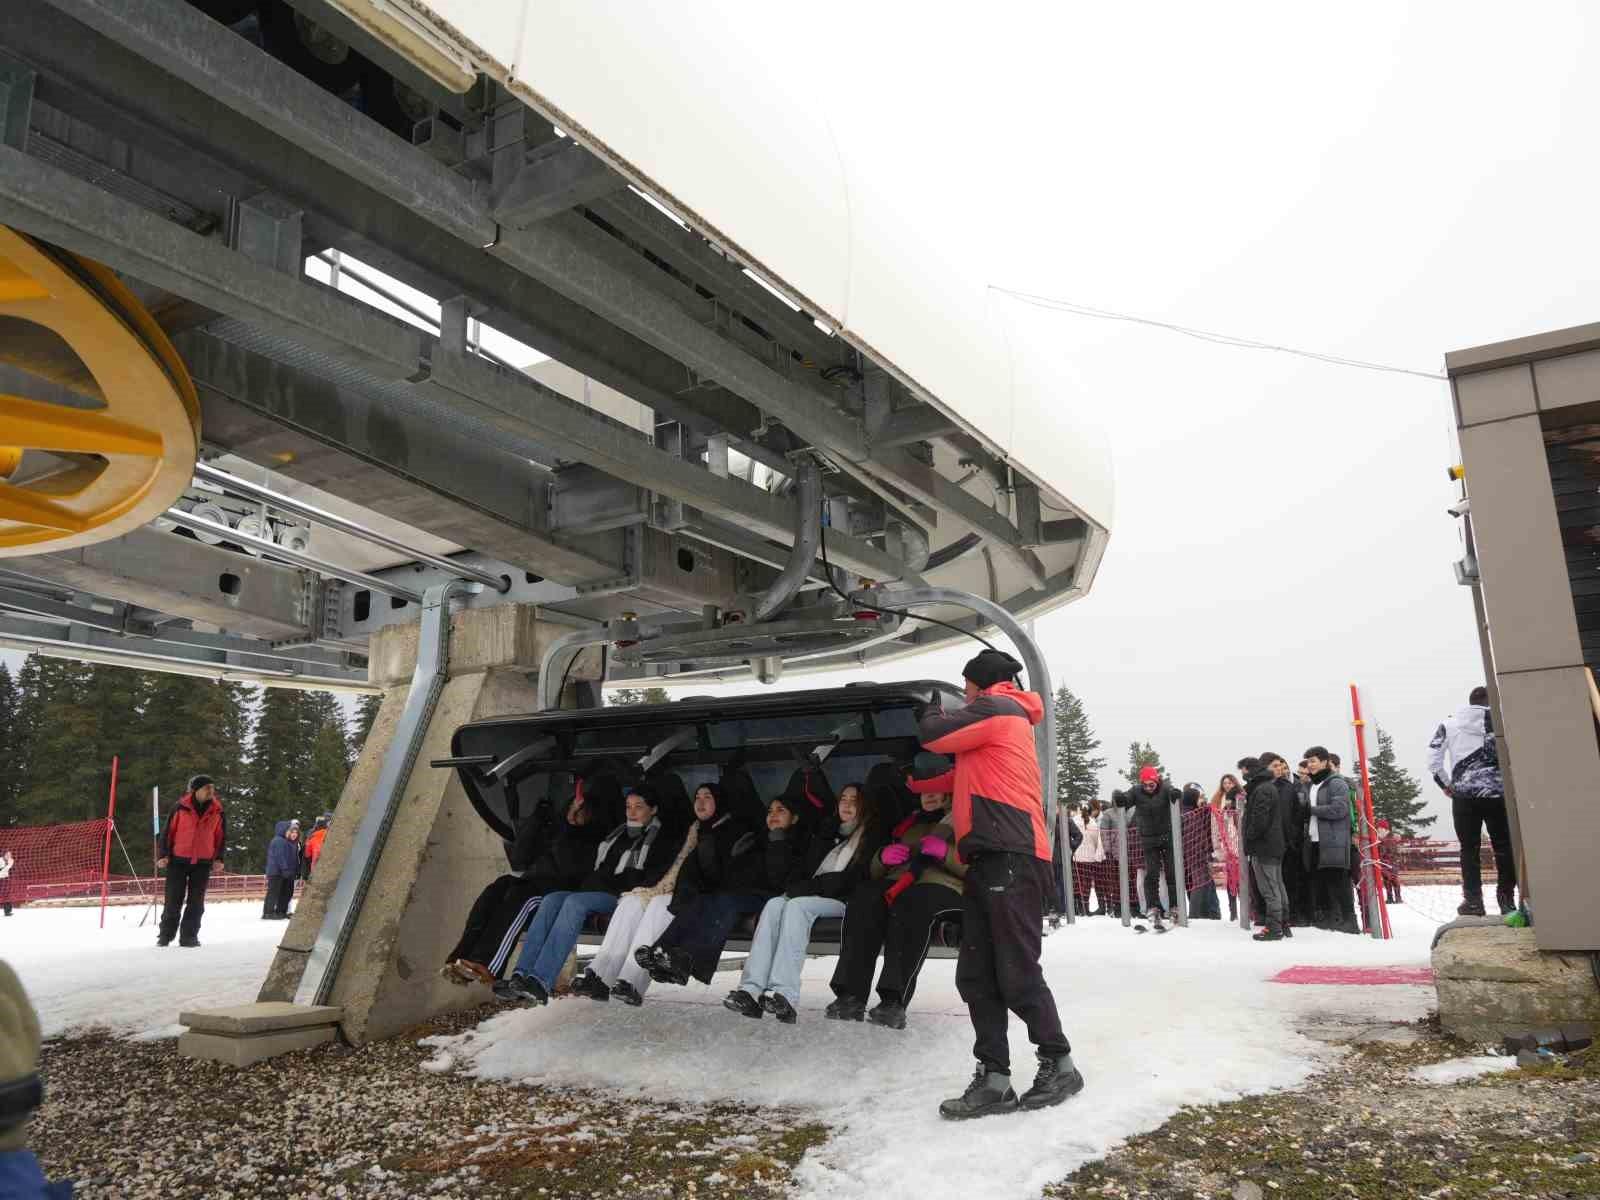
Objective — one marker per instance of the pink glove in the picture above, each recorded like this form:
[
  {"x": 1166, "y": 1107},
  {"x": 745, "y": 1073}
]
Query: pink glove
[
  {"x": 933, "y": 846},
  {"x": 895, "y": 854}
]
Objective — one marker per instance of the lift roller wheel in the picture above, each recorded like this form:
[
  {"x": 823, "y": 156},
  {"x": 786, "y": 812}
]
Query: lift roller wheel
[{"x": 108, "y": 440}]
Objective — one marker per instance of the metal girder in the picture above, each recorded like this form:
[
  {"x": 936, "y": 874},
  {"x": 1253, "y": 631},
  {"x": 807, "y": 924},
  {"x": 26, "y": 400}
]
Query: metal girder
[
  {"x": 185, "y": 578},
  {"x": 80, "y": 626},
  {"x": 685, "y": 250},
  {"x": 926, "y": 484},
  {"x": 551, "y": 179},
  {"x": 212, "y": 59},
  {"x": 916, "y": 424},
  {"x": 72, "y": 213},
  {"x": 464, "y": 484}
]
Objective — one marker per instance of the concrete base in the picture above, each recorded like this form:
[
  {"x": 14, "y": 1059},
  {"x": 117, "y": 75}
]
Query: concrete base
[
  {"x": 439, "y": 854},
  {"x": 251, "y": 1033},
  {"x": 1493, "y": 980}
]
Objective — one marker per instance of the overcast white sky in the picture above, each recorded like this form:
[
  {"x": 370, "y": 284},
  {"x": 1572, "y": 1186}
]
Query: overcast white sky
[{"x": 1380, "y": 180}]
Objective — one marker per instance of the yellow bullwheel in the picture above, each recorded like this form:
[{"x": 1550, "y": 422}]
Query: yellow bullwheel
[{"x": 99, "y": 422}]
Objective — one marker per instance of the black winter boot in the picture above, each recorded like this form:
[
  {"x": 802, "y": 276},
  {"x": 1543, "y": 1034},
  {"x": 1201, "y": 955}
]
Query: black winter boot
[
  {"x": 1506, "y": 895},
  {"x": 1472, "y": 906},
  {"x": 591, "y": 985},
  {"x": 846, "y": 1008},
  {"x": 1057, "y": 1080},
  {"x": 780, "y": 1008},
  {"x": 989, "y": 1092},
  {"x": 675, "y": 968},
  {"x": 890, "y": 1016},
  {"x": 627, "y": 993},
  {"x": 743, "y": 1003}
]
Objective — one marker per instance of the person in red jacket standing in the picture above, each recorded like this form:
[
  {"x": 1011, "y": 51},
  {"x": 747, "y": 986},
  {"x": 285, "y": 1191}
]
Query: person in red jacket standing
[
  {"x": 193, "y": 839},
  {"x": 998, "y": 816}
]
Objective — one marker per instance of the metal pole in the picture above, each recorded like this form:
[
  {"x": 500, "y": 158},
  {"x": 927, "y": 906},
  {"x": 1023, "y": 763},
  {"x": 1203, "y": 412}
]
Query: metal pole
[
  {"x": 322, "y": 567},
  {"x": 1122, "y": 863},
  {"x": 333, "y": 521},
  {"x": 1378, "y": 916},
  {"x": 344, "y": 906},
  {"x": 1181, "y": 900},
  {"x": 549, "y": 678}
]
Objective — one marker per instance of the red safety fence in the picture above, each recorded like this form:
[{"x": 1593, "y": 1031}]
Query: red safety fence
[
  {"x": 36, "y": 857},
  {"x": 123, "y": 889}
]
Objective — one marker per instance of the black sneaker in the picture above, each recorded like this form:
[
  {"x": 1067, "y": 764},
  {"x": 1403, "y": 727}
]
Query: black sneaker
[
  {"x": 743, "y": 1003},
  {"x": 525, "y": 988},
  {"x": 846, "y": 1008},
  {"x": 645, "y": 956},
  {"x": 989, "y": 1092},
  {"x": 591, "y": 985},
  {"x": 189, "y": 943},
  {"x": 1286, "y": 930},
  {"x": 1471, "y": 907},
  {"x": 1057, "y": 1080},
  {"x": 163, "y": 941},
  {"x": 890, "y": 1016},
  {"x": 1506, "y": 896},
  {"x": 627, "y": 993},
  {"x": 1270, "y": 934},
  {"x": 780, "y": 1008}
]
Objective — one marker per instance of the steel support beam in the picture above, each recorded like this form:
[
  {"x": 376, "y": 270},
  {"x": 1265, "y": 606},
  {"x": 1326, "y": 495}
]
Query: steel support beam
[
  {"x": 916, "y": 424},
  {"x": 184, "y": 578},
  {"x": 210, "y": 58},
  {"x": 553, "y": 178}
]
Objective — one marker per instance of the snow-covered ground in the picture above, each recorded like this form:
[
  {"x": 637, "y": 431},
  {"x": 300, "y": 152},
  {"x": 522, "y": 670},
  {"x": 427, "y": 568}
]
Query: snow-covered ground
[
  {"x": 81, "y": 976},
  {"x": 1457, "y": 1069},
  {"x": 1157, "y": 1022}
]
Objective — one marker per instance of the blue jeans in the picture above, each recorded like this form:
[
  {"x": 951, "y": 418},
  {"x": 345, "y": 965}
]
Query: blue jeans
[
  {"x": 778, "y": 950},
  {"x": 555, "y": 931}
]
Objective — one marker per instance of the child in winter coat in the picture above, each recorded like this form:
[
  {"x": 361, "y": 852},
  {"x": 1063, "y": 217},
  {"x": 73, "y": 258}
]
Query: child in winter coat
[
  {"x": 916, "y": 882},
  {"x": 642, "y": 916},
  {"x": 635, "y": 854},
  {"x": 691, "y": 947},
  {"x": 283, "y": 868},
  {"x": 554, "y": 849},
  {"x": 835, "y": 866},
  {"x": 1086, "y": 861}
]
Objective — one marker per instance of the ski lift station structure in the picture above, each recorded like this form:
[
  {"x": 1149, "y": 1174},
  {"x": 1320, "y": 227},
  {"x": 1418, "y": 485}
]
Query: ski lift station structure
[{"x": 272, "y": 277}]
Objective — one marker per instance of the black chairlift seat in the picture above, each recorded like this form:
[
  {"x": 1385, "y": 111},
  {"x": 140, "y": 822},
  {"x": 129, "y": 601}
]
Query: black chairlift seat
[{"x": 858, "y": 733}]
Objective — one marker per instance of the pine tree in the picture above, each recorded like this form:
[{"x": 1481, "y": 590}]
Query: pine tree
[
  {"x": 366, "y": 713},
  {"x": 1140, "y": 756},
  {"x": 649, "y": 695},
  {"x": 10, "y": 780},
  {"x": 278, "y": 757},
  {"x": 1395, "y": 794},
  {"x": 328, "y": 752},
  {"x": 1078, "y": 767}
]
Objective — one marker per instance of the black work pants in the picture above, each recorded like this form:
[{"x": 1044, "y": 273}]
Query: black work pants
[
  {"x": 998, "y": 971},
  {"x": 1335, "y": 898},
  {"x": 1472, "y": 814},
  {"x": 1158, "y": 858},
  {"x": 497, "y": 919},
  {"x": 901, "y": 932},
  {"x": 280, "y": 890},
  {"x": 1299, "y": 884},
  {"x": 186, "y": 895}
]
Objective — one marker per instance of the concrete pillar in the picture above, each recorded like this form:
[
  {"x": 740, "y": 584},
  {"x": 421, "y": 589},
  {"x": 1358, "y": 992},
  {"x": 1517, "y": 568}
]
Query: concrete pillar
[{"x": 439, "y": 853}]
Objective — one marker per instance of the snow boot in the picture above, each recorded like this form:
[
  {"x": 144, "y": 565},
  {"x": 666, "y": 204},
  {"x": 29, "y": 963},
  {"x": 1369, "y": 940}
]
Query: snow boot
[
  {"x": 592, "y": 986},
  {"x": 846, "y": 1008},
  {"x": 989, "y": 1092},
  {"x": 526, "y": 988},
  {"x": 1056, "y": 1081},
  {"x": 627, "y": 993},
  {"x": 1471, "y": 906},
  {"x": 743, "y": 1003},
  {"x": 890, "y": 1016},
  {"x": 1506, "y": 895},
  {"x": 779, "y": 1007}
]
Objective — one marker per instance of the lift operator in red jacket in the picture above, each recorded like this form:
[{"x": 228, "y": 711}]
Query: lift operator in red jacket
[{"x": 998, "y": 814}]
